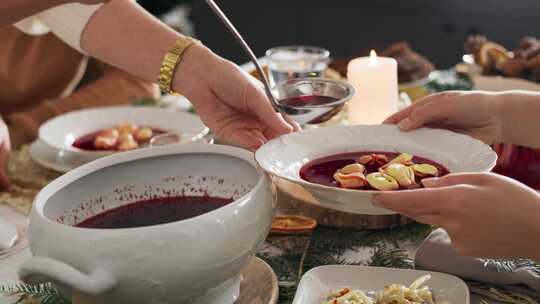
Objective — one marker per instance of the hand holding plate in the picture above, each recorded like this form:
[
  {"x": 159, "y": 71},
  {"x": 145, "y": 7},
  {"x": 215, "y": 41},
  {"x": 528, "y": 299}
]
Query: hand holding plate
[
  {"x": 473, "y": 113},
  {"x": 486, "y": 215}
]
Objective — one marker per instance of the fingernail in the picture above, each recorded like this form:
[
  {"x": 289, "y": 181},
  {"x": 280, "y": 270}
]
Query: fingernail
[
  {"x": 405, "y": 124},
  {"x": 430, "y": 182}
]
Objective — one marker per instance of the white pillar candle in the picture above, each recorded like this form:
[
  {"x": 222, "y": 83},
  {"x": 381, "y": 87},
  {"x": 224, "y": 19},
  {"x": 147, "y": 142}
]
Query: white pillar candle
[{"x": 375, "y": 80}]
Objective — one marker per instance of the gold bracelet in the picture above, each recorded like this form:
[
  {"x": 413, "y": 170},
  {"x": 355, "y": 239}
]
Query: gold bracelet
[{"x": 170, "y": 62}]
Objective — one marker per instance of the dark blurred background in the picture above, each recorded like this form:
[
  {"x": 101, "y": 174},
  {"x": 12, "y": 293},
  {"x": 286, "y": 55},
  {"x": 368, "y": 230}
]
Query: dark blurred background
[{"x": 348, "y": 28}]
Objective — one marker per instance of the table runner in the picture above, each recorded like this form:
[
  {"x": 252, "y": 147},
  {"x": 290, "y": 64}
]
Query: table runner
[{"x": 27, "y": 179}]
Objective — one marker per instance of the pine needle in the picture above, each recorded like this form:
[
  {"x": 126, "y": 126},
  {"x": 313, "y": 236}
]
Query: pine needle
[
  {"x": 503, "y": 265},
  {"x": 34, "y": 294},
  {"x": 291, "y": 256},
  {"x": 394, "y": 257}
]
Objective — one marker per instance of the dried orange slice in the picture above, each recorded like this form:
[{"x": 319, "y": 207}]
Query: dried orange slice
[
  {"x": 290, "y": 224},
  {"x": 493, "y": 55}
]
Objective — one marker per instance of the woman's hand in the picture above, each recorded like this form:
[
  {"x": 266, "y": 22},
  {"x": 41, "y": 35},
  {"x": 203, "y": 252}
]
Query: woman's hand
[
  {"x": 229, "y": 101},
  {"x": 5, "y": 148},
  {"x": 486, "y": 215},
  {"x": 476, "y": 114}
]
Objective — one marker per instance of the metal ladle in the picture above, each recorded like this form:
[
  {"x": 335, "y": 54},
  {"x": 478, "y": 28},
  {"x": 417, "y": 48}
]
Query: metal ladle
[
  {"x": 248, "y": 51},
  {"x": 341, "y": 91}
]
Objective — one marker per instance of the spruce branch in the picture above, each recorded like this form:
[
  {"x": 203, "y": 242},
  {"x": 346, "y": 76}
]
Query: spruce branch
[{"x": 34, "y": 294}]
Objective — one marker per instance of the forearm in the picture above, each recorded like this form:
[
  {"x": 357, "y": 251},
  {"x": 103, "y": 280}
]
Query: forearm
[
  {"x": 520, "y": 116},
  {"x": 123, "y": 34},
  {"x": 12, "y": 11}
]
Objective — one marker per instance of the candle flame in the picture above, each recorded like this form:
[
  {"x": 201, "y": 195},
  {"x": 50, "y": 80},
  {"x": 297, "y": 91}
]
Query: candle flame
[{"x": 373, "y": 58}]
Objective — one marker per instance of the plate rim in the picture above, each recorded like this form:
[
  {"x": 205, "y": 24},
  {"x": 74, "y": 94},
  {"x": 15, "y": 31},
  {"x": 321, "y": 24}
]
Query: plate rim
[
  {"x": 362, "y": 268},
  {"x": 45, "y": 164}
]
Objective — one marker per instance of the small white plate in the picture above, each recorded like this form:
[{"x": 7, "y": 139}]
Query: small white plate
[
  {"x": 61, "y": 131},
  {"x": 316, "y": 283},
  {"x": 53, "y": 159},
  {"x": 64, "y": 161},
  {"x": 8, "y": 235}
]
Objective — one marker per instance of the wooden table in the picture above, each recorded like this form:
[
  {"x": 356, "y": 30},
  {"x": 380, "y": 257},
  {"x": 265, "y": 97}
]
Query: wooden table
[{"x": 10, "y": 265}]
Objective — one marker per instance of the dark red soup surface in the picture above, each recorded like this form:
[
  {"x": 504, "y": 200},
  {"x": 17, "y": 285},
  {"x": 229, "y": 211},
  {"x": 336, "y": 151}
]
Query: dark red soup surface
[
  {"x": 321, "y": 171},
  {"x": 87, "y": 142},
  {"x": 154, "y": 212}
]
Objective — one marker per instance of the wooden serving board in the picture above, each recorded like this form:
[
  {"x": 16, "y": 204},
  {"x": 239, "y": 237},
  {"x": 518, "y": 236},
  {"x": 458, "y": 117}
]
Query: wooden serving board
[
  {"x": 259, "y": 284},
  {"x": 293, "y": 199}
]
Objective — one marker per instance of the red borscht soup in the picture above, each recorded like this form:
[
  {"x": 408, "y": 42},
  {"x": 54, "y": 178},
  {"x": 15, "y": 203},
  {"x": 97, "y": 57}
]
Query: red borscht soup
[
  {"x": 123, "y": 137},
  {"x": 154, "y": 212},
  {"x": 372, "y": 170}
]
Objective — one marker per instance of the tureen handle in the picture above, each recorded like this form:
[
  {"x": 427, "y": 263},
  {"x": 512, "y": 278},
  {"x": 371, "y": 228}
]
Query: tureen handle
[{"x": 41, "y": 269}]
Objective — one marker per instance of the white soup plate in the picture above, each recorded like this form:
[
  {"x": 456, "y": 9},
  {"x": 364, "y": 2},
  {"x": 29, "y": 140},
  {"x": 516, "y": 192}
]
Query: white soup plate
[
  {"x": 283, "y": 157},
  {"x": 60, "y": 132}
]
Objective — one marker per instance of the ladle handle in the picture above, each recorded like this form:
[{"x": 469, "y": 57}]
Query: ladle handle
[
  {"x": 39, "y": 270},
  {"x": 246, "y": 49}
]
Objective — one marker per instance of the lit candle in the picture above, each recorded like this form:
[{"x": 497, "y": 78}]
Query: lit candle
[{"x": 375, "y": 80}]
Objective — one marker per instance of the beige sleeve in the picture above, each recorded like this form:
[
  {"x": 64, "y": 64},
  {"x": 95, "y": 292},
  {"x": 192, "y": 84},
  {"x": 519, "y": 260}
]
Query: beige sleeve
[{"x": 68, "y": 22}]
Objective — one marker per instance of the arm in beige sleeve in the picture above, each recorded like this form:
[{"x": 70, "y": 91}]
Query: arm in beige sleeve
[
  {"x": 112, "y": 88},
  {"x": 123, "y": 34},
  {"x": 12, "y": 11},
  {"x": 120, "y": 33},
  {"x": 68, "y": 22}
]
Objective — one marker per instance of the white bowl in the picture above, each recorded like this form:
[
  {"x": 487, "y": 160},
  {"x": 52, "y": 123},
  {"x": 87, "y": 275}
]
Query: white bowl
[
  {"x": 283, "y": 157},
  {"x": 60, "y": 132},
  {"x": 316, "y": 283},
  {"x": 197, "y": 260}
]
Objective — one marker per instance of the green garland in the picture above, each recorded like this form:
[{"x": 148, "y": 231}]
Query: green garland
[
  {"x": 37, "y": 294},
  {"x": 298, "y": 254},
  {"x": 449, "y": 80},
  {"x": 504, "y": 265}
]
